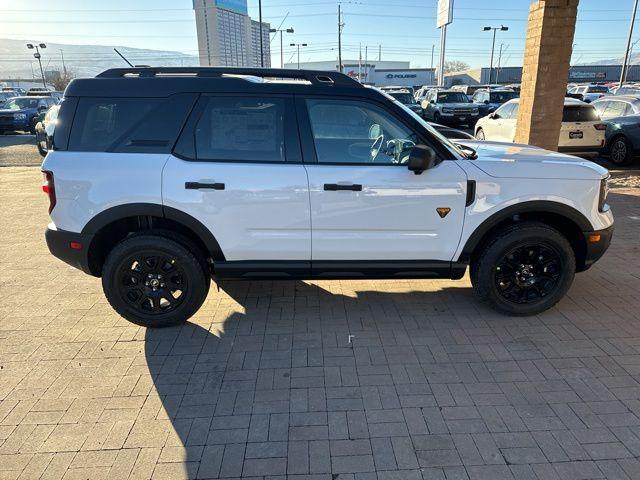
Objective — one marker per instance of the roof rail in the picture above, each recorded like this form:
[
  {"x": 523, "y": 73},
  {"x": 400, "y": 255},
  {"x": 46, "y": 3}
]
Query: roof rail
[{"x": 315, "y": 77}]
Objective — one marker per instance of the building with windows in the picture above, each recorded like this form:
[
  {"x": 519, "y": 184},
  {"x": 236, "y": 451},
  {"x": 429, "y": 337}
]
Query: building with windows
[{"x": 227, "y": 36}]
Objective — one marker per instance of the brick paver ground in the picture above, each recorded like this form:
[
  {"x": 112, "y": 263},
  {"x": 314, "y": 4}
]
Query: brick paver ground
[{"x": 264, "y": 381}]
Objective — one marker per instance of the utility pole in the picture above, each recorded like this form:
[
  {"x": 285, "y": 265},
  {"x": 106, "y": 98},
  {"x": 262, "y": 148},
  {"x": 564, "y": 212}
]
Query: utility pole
[
  {"x": 37, "y": 55},
  {"x": 493, "y": 45},
  {"x": 366, "y": 63},
  {"x": 499, "y": 59},
  {"x": 379, "y": 52},
  {"x": 260, "y": 20},
  {"x": 433, "y": 47},
  {"x": 626, "y": 55},
  {"x": 443, "y": 44},
  {"x": 298, "y": 45},
  {"x": 360, "y": 64},
  {"x": 64, "y": 67},
  {"x": 340, "y": 25}
]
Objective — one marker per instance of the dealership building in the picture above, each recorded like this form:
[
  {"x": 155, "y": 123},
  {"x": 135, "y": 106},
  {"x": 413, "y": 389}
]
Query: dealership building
[
  {"x": 227, "y": 36},
  {"x": 379, "y": 73},
  {"x": 577, "y": 74}
]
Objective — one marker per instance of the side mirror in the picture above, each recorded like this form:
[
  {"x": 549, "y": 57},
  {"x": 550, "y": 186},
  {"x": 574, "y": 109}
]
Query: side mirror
[
  {"x": 494, "y": 116},
  {"x": 432, "y": 101},
  {"x": 421, "y": 158},
  {"x": 486, "y": 102}
]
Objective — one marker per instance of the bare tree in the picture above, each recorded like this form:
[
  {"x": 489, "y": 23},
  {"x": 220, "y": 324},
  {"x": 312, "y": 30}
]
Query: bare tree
[
  {"x": 455, "y": 66},
  {"x": 61, "y": 82}
]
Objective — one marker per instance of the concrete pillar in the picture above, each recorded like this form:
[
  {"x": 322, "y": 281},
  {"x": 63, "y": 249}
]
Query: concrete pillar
[{"x": 545, "y": 72}]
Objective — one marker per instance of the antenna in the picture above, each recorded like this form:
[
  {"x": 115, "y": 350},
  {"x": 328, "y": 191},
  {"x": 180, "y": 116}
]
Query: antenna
[{"x": 123, "y": 57}]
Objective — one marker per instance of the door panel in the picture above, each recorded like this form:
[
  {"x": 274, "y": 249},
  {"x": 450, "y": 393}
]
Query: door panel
[
  {"x": 244, "y": 184},
  {"x": 393, "y": 217}
]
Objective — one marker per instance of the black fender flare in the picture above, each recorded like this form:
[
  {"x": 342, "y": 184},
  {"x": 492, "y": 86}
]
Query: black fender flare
[
  {"x": 119, "y": 212},
  {"x": 542, "y": 206}
]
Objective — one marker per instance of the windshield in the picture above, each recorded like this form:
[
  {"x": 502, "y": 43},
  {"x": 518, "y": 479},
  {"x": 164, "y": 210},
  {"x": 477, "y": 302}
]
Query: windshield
[
  {"x": 452, "y": 97},
  {"x": 403, "y": 97},
  {"x": 502, "y": 97},
  {"x": 444, "y": 140},
  {"x": 21, "y": 103}
]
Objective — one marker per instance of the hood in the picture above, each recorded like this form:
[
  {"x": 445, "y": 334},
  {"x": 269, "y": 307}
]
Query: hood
[
  {"x": 513, "y": 160},
  {"x": 457, "y": 105}
]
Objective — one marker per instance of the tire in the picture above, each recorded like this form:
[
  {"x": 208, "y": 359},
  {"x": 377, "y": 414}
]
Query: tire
[
  {"x": 136, "y": 275},
  {"x": 479, "y": 134},
  {"x": 620, "y": 151},
  {"x": 499, "y": 280},
  {"x": 41, "y": 150},
  {"x": 436, "y": 118}
]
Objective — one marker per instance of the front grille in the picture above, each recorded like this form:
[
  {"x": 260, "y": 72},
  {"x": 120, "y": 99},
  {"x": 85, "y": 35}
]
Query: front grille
[{"x": 463, "y": 111}]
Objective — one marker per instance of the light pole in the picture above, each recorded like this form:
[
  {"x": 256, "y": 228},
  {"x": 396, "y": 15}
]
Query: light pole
[
  {"x": 298, "y": 45},
  {"x": 626, "y": 55},
  {"x": 493, "y": 45},
  {"x": 276, "y": 30},
  {"x": 37, "y": 55}
]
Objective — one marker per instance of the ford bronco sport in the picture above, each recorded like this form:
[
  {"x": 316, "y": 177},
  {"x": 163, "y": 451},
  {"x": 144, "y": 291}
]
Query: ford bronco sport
[{"x": 160, "y": 178}]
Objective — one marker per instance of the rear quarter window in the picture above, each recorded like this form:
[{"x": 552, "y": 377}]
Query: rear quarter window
[
  {"x": 129, "y": 125},
  {"x": 580, "y": 113}
]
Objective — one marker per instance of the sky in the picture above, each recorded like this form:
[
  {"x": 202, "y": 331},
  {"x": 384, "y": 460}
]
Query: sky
[{"x": 403, "y": 29}]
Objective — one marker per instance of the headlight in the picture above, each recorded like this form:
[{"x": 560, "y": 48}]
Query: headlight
[
  {"x": 20, "y": 116},
  {"x": 475, "y": 111},
  {"x": 604, "y": 191}
]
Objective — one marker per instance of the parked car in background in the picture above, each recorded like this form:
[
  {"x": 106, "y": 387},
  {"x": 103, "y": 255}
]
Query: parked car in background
[
  {"x": 45, "y": 128},
  {"x": 622, "y": 139},
  {"x": 489, "y": 100},
  {"x": 587, "y": 93},
  {"x": 421, "y": 93},
  {"x": 628, "y": 90},
  {"x": 614, "y": 106},
  {"x": 57, "y": 96},
  {"x": 21, "y": 113},
  {"x": 406, "y": 98},
  {"x": 18, "y": 90},
  {"x": 449, "y": 107},
  {"x": 4, "y": 96},
  {"x": 393, "y": 88},
  {"x": 581, "y": 132},
  {"x": 470, "y": 90}
]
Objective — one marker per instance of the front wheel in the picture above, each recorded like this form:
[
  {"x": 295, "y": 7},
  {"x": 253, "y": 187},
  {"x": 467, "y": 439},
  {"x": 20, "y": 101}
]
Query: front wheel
[
  {"x": 436, "y": 117},
  {"x": 524, "y": 270},
  {"x": 154, "y": 281}
]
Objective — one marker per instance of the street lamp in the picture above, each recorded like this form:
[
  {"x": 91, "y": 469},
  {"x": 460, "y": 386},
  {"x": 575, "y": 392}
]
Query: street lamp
[
  {"x": 298, "y": 45},
  {"x": 276, "y": 30},
  {"x": 37, "y": 55},
  {"x": 493, "y": 45}
]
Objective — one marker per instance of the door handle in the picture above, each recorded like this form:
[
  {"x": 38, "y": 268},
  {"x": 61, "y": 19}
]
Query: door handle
[
  {"x": 199, "y": 186},
  {"x": 334, "y": 187}
]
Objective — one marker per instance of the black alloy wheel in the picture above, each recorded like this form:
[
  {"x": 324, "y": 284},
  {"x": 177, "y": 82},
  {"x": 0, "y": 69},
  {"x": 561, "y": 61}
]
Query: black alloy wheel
[
  {"x": 155, "y": 281},
  {"x": 528, "y": 273},
  {"x": 152, "y": 282}
]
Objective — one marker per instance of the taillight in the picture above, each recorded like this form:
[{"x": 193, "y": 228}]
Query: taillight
[
  {"x": 49, "y": 188},
  {"x": 600, "y": 126}
]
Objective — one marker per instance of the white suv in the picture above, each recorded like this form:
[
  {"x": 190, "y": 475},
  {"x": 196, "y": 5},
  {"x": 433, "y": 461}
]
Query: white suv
[{"x": 161, "y": 178}]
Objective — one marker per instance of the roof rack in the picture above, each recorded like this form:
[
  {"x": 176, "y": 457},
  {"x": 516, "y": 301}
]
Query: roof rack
[{"x": 314, "y": 77}]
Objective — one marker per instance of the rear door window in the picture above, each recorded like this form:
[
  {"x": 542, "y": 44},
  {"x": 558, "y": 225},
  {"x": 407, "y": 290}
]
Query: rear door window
[
  {"x": 249, "y": 129},
  {"x": 580, "y": 113}
]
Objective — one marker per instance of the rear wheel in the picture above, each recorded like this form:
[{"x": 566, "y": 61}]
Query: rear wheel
[
  {"x": 621, "y": 151},
  {"x": 524, "y": 270},
  {"x": 154, "y": 281},
  {"x": 436, "y": 118},
  {"x": 480, "y": 134}
]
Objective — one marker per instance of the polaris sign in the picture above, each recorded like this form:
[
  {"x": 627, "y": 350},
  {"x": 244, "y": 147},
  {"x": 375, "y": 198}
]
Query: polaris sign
[
  {"x": 403, "y": 78},
  {"x": 401, "y": 75}
]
